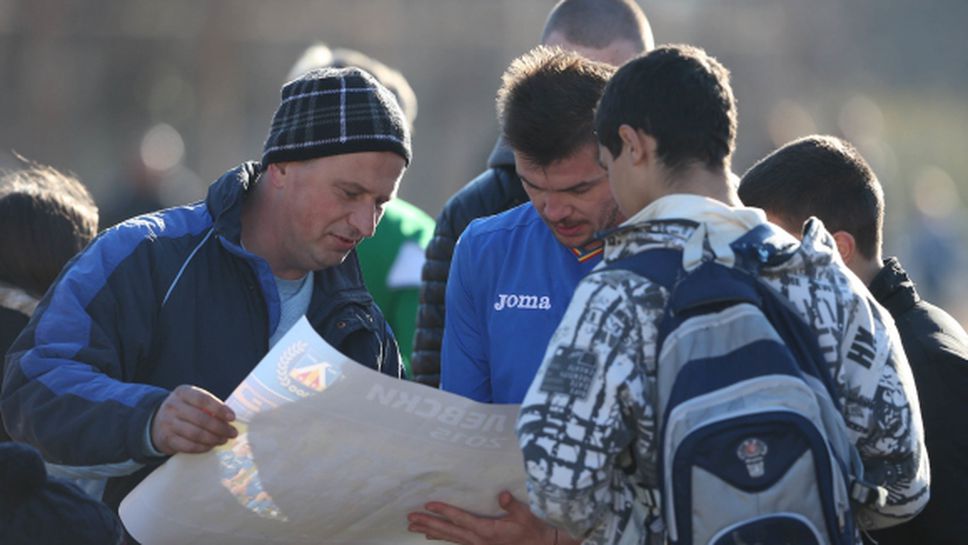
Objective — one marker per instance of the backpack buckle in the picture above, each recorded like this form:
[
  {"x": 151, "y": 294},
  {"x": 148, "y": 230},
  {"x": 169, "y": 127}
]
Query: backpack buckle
[{"x": 868, "y": 494}]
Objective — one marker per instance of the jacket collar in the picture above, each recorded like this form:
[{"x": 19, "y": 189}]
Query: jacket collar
[
  {"x": 893, "y": 288},
  {"x": 225, "y": 197}
]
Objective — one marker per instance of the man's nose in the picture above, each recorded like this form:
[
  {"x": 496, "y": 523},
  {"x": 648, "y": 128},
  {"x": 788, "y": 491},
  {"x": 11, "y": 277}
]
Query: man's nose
[
  {"x": 364, "y": 219},
  {"x": 556, "y": 207}
]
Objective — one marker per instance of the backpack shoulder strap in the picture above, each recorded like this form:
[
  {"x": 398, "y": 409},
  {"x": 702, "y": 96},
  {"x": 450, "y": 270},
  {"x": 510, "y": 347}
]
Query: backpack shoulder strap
[{"x": 661, "y": 265}]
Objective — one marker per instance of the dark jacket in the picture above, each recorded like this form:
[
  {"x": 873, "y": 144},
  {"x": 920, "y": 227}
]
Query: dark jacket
[
  {"x": 937, "y": 349},
  {"x": 161, "y": 300},
  {"x": 16, "y": 306},
  {"x": 12, "y": 322},
  {"x": 497, "y": 189}
]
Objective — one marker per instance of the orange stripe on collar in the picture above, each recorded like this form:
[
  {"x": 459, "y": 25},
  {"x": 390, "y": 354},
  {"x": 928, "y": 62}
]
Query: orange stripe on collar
[{"x": 589, "y": 251}]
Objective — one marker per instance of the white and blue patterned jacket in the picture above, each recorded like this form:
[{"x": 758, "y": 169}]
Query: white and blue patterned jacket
[{"x": 589, "y": 452}]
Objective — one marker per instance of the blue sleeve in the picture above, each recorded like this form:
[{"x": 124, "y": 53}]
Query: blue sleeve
[
  {"x": 464, "y": 365},
  {"x": 67, "y": 386}
]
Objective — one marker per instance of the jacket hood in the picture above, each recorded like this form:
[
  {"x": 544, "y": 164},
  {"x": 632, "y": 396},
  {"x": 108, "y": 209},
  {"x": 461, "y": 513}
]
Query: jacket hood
[
  {"x": 705, "y": 229},
  {"x": 501, "y": 156}
]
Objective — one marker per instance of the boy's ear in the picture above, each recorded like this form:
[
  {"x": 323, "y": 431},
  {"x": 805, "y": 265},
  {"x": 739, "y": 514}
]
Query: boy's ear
[
  {"x": 640, "y": 146},
  {"x": 630, "y": 142},
  {"x": 846, "y": 246}
]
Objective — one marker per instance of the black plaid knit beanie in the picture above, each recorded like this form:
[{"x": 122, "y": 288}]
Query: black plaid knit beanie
[{"x": 331, "y": 111}]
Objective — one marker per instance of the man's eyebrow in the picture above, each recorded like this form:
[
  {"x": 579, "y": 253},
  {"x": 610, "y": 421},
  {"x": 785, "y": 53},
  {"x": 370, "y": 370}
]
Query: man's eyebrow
[
  {"x": 584, "y": 184},
  {"x": 580, "y": 185},
  {"x": 525, "y": 180},
  {"x": 350, "y": 184}
]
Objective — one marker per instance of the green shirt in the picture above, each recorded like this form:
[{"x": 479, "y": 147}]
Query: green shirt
[{"x": 392, "y": 261}]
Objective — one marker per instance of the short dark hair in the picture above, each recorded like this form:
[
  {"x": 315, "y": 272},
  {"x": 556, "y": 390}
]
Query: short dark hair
[
  {"x": 46, "y": 217},
  {"x": 822, "y": 176},
  {"x": 598, "y": 23},
  {"x": 546, "y": 104},
  {"x": 680, "y": 96}
]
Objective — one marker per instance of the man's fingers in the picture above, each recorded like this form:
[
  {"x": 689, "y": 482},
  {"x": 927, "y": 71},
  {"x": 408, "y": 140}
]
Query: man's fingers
[
  {"x": 205, "y": 411},
  {"x": 204, "y": 421},
  {"x": 453, "y": 534},
  {"x": 512, "y": 506},
  {"x": 457, "y": 515},
  {"x": 173, "y": 435},
  {"x": 198, "y": 435},
  {"x": 178, "y": 443},
  {"x": 205, "y": 401},
  {"x": 191, "y": 420},
  {"x": 467, "y": 526}
]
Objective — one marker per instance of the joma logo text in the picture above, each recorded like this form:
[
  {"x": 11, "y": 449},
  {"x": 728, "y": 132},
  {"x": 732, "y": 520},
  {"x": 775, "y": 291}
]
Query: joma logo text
[{"x": 529, "y": 302}]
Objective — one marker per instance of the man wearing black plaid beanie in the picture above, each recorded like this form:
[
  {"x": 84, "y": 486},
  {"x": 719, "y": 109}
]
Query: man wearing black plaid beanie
[{"x": 149, "y": 328}]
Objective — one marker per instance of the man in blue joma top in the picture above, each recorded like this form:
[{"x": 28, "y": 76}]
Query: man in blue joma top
[
  {"x": 513, "y": 274},
  {"x": 126, "y": 359}
]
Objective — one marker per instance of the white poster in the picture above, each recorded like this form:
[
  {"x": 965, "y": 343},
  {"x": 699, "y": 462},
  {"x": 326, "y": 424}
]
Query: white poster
[{"x": 329, "y": 452}]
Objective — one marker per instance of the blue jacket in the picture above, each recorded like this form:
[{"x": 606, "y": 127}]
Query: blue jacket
[
  {"x": 161, "y": 300},
  {"x": 510, "y": 284}
]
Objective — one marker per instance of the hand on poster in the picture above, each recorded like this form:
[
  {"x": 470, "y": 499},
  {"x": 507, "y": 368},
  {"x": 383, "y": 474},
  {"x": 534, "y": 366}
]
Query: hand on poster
[
  {"x": 517, "y": 526},
  {"x": 327, "y": 451},
  {"x": 191, "y": 420}
]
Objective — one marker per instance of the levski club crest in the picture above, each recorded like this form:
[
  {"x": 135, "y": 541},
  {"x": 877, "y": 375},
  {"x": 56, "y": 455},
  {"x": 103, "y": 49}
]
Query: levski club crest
[
  {"x": 752, "y": 452},
  {"x": 302, "y": 374}
]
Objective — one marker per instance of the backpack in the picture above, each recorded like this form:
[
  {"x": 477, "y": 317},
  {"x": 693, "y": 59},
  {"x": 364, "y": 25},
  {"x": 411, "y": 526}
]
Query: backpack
[{"x": 752, "y": 446}]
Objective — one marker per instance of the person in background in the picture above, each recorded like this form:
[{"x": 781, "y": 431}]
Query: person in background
[
  {"x": 46, "y": 217},
  {"x": 129, "y": 357},
  {"x": 609, "y": 31},
  {"x": 393, "y": 257},
  {"x": 37, "y": 509},
  {"x": 826, "y": 177}
]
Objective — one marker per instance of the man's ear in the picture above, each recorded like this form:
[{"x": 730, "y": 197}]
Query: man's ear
[
  {"x": 277, "y": 173},
  {"x": 846, "y": 246}
]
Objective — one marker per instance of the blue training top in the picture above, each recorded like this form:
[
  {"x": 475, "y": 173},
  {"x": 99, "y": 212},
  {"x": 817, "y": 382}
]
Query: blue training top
[{"x": 510, "y": 283}]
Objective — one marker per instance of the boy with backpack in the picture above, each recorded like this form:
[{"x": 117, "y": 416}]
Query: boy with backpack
[{"x": 714, "y": 381}]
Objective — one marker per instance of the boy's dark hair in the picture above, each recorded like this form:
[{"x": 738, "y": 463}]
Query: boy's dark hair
[
  {"x": 598, "y": 23},
  {"x": 822, "y": 176},
  {"x": 46, "y": 217},
  {"x": 547, "y": 102},
  {"x": 680, "y": 96}
]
